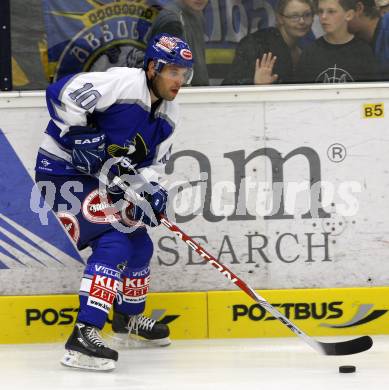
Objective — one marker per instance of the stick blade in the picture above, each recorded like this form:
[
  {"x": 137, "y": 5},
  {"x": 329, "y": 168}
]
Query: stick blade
[{"x": 348, "y": 347}]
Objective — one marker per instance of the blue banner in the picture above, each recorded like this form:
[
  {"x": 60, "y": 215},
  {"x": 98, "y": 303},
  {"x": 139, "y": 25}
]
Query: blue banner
[{"x": 96, "y": 34}]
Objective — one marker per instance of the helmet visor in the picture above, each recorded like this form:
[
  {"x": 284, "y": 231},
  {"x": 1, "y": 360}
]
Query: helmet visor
[{"x": 174, "y": 72}]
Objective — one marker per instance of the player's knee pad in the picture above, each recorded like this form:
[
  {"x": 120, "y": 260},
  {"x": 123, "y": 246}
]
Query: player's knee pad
[{"x": 99, "y": 287}]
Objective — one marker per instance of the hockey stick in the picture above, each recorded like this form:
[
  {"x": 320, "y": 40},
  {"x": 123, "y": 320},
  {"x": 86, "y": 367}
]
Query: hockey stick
[{"x": 348, "y": 347}]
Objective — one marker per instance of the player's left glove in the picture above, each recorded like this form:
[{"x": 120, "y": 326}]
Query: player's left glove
[
  {"x": 88, "y": 148},
  {"x": 157, "y": 197}
]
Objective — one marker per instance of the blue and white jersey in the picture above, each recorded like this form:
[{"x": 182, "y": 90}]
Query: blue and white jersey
[{"x": 117, "y": 102}]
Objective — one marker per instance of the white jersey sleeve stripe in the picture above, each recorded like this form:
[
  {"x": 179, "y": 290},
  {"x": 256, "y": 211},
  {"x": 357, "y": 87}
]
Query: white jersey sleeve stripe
[{"x": 49, "y": 145}]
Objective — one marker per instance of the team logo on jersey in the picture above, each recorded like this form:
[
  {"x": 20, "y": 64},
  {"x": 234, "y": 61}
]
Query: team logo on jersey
[
  {"x": 97, "y": 208},
  {"x": 71, "y": 225},
  {"x": 186, "y": 54},
  {"x": 131, "y": 153}
]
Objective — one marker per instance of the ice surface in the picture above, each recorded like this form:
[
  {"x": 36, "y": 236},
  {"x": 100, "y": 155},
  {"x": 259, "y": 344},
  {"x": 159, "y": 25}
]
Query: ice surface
[{"x": 231, "y": 364}]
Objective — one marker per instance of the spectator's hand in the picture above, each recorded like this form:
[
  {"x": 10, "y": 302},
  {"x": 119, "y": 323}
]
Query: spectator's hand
[{"x": 264, "y": 69}]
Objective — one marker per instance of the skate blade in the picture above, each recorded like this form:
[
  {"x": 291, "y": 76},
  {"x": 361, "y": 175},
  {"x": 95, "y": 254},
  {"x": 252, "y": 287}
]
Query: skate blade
[
  {"x": 149, "y": 343},
  {"x": 76, "y": 359},
  {"x": 124, "y": 341}
]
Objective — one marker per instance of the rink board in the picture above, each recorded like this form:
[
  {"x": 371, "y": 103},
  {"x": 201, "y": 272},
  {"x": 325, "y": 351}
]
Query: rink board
[
  {"x": 39, "y": 319},
  {"x": 214, "y": 314},
  {"x": 252, "y": 162},
  {"x": 318, "y": 312}
]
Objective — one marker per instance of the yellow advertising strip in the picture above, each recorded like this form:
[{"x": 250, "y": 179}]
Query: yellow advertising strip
[
  {"x": 214, "y": 314},
  {"x": 318, "y": 312},
  {"x": 40, "y": 319},
  {"x": 184, "y": 312}
]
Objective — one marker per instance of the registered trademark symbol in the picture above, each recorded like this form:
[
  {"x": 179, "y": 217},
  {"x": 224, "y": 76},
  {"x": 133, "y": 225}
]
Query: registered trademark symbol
[{"x": 336, "y": 152}]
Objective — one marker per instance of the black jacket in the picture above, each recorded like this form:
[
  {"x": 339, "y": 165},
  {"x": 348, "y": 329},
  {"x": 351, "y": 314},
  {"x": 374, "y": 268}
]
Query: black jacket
[
  {"x": 253, "y": 46},
  {"x": 324, "y": 62}
]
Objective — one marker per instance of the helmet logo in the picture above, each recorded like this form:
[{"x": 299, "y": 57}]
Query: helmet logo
[
  {"x": 186, "y": 54},
  {"x": 166, "y": 49},
  {"x": 166, "y": 44}
]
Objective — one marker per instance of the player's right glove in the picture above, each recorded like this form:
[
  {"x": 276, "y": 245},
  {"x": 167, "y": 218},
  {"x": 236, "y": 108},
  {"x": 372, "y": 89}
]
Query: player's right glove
[
  {"x": 88, "y": 148},
  {"x": 156, "y": 197}
]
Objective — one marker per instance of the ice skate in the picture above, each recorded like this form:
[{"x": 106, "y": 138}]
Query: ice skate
[
  {"x": 139, "y": 330},
  {"x": 85, "y": 349}
]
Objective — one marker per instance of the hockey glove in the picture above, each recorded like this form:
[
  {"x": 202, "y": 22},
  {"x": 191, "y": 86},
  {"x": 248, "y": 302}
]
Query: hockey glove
[
  {"x": 88, "y": 148},
  {"x": 156, "y": 197}
]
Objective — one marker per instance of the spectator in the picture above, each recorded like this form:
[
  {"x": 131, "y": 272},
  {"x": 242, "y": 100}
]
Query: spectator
[
  {"x": 337, "y": 56},
  {"x": 383, "y": 6},
  {"x": 368, "y": 25},
  {"x": 273, "y": 48},
  {"x": 185, "y": 19}
]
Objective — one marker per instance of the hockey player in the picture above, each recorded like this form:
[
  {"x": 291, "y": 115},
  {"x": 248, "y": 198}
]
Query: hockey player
[{"x": 128, "y": 114}]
